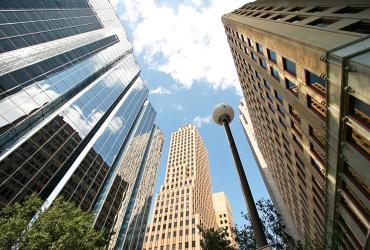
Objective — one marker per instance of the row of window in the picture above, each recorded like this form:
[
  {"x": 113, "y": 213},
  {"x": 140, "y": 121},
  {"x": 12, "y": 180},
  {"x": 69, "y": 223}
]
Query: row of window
[
  {"x": 174, "y": 246},
  {"x": 288, "y": 66},
  {"x": 297, "y": 135},
  {"x": 313, "y": 9},
  {"x": 164, "y": 226},
  {"x": 362, "y": 27},
  {"x": 315, "y": 82}
]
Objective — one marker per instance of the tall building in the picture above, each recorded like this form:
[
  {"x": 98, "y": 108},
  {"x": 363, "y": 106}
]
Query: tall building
[
  {"x": 224, "y": 216},
  {"x": 304, "y": 70},
  {"x": 185, "y": 199},
  {"x": 265, "y": 171},
  {"x": 73, "y": 113}
]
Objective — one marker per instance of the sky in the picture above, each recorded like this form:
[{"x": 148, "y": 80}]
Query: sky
[{"x": 186, "y": 62}]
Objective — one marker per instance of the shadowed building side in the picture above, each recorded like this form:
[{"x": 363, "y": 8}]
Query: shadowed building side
[{"x": 265, "y": 171}]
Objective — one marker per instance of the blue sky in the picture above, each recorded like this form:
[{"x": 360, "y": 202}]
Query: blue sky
[{"x": 186, "y": 63}]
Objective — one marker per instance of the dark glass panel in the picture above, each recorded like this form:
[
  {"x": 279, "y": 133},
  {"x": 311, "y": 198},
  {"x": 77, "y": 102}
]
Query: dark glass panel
[{"x": 289, "y": 66}]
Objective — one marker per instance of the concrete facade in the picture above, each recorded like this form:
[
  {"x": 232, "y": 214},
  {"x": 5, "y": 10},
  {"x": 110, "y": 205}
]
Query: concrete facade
[
  {"x": 304, "y": 71},
  {"x": 224, "y": 216},
  {"x": 185, "y": 198},
  {"x": 265, "y": 171}
]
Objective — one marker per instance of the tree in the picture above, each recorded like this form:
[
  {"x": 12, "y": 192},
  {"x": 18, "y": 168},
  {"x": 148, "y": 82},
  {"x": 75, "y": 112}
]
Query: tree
[
  {"x": 215, "y": 239},
  {"x": 62, "y": 226},
  {"x": 274, "y": 228}
]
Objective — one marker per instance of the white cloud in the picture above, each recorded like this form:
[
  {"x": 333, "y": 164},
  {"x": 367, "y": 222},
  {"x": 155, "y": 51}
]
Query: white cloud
[
  {"x": 178, "y": 107},
  {"x": 160, "y": 91},
  {"x": 199, "y": 121},
  {"x": 114, "y": 2},
  {"x": 187, "y": 42},
  {"x": 116, "y": 124}
]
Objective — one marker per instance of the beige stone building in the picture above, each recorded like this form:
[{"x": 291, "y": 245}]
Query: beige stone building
[
  {"x": 304, "y": 71},
  {"x": 265, "y": 171},
  {"x": 185, "y": 198},
  {"x": 224, "y": 216}
]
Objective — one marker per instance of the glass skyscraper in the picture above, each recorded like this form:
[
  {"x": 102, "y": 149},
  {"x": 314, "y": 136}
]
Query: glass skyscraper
[{"x": 74, "y": 115}]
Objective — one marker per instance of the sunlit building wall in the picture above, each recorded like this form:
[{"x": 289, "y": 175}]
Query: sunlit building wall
[
  {"x": 304, "y": 71},
  {"x": 224, "y": 216},
  {"x": 185, "y": 199},
  {"x": 74, "y": 111}
]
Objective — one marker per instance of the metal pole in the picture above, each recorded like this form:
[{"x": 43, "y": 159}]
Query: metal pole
[{"x": 253, "y": 214}]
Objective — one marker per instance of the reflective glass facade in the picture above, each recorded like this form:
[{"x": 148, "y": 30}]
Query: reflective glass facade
[{"x": 74, "y": 119}]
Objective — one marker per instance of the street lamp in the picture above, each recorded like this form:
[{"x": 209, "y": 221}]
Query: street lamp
[{"x": 222, "y": 115}]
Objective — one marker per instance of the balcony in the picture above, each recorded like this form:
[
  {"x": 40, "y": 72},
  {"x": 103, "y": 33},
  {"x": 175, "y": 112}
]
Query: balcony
[
  {"x": 318, "y": 88},
  {"x": 317, "y": 107},
  {"x": 316, "y": 83}
]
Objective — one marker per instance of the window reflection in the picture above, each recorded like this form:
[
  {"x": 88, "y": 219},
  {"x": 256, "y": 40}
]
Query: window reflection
[{"x": 37, "y": 22}]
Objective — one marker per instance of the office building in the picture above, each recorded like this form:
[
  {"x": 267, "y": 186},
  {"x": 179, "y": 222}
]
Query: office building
[
  {"x": 304, "y": 70},
  {"x": 185, "y": 198},
  {"x": 74, "y": 112},
  {"x": 224, "y": 216},
  {"x": 265, "y": 171}
]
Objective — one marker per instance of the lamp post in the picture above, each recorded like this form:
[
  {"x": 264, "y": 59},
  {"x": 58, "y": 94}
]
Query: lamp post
[{"x": 222, "y": 115}]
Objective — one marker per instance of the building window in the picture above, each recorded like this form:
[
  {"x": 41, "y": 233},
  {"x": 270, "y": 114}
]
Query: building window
[
  {"x": 275, "y": 73},
  {"x": 282, "y": 122},
  {"x": 268, "y": 96},
  {"x": 253, "y": 55},
  {"x": 317, "y": 167},
  {"x": 266, "y": 15},
  {"x": 289, "y": 66},
  {"x": 316, "y": 83},
  {"x": 263, "y": 63},
  {"x": 259, "y": 48},
  {"x": 291, "y": 86},
  {"x": 280, "y": 109},
  {"x": 322, "y": 22},
  {"x": 271, "y": 55},
  {"x": 359, "y": 27},
  {"x": 278, "y": 17},
  {"x": 279, "y": 97},
  {"x": 350, "y": 10},
  {"x": 295, "y": 9},
  {"x": 360, "y": 111},
  {"x": 249, "y": 42},
  {"x": 266, "y": 83},
  {"x": 296, "y": 19},
  {"x": 317, "y": 9},
  {"x": 315, "y": 106},
  {"x": 271, "y": 108}
]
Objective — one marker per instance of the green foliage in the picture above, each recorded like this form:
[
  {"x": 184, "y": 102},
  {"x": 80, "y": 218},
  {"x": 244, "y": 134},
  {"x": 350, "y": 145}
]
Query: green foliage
[
  {"x": 215, "y": 239},
  {"x": 273, "y": 226},
  {"x": 62, "y": 226}
]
